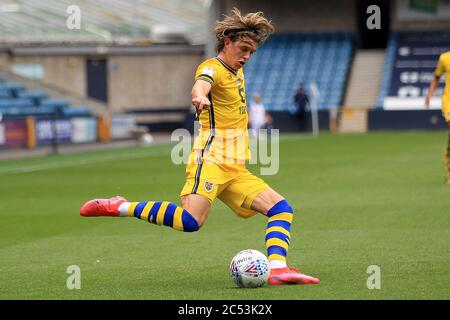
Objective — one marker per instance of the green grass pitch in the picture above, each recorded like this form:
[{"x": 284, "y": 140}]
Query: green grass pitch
[{"x": 359, "y": 200}]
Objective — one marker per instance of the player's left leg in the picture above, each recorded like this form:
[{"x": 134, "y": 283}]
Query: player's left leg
[
  {"x": 446, "y": 115},
  {"x": 447, "y": 155},
  {"x": 156, "y": 212},
  {"x": 280, "y": 215}
]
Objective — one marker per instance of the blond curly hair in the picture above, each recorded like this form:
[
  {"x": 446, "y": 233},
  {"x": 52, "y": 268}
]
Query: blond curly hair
[{"x": 237, "y": 26}]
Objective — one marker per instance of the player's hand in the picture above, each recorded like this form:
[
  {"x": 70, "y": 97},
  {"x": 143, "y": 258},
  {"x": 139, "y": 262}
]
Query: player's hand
[{"x": 201, "y": 103}]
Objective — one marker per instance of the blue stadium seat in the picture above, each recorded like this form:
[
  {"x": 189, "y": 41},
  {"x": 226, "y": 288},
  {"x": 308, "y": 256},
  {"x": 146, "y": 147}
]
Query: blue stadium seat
[
  {"x": 13, "y": 87},
  {"x": 76, "y": 112},
  {"x": 44, "y": 111},
  {"x": 9, "y": 111},
  {"x": 60, "y": 103},
  {"x": 16, "y": 103},
  {"x": 5, "y": 94},
  {"x": 286, "y": 60},
  {"x": 36, "y": 96}
]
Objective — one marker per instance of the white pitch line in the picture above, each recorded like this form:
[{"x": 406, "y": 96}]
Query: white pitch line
[{"x": 27, "y": 169}]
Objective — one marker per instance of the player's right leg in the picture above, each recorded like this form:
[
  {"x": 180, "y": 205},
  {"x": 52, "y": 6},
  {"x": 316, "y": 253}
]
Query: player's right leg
[
  {"x": 248, "y": 195},
  {"x": 280, "y": 215},
  {"x": 187, "y": 218},
  {"x": 447, "y": 155}
]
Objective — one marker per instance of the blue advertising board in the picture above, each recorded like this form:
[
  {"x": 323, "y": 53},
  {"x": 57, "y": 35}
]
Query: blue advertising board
[
  {"x": 414, "y": 63},
  {"x": 45, "y": 131}
]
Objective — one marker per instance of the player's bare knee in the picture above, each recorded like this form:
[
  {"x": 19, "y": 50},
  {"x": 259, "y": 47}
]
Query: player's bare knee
[
  {"x": 200, "y": 220},
  {"x": 266, "y": 200},
  {"x": 197, "y": 207},
  {"x": 196, "y": 215}
]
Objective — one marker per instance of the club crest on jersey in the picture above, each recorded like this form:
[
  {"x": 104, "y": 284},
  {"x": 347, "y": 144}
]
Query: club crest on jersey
[
  {"x": 208, "y": 71},
  {"x": 209, "y": 186}
]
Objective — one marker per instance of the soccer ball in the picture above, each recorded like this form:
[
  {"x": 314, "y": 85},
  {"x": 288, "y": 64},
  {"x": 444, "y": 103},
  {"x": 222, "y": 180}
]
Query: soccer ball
[
  {"x": 250, "y": 269},
  {"x": 146, "y": 139}
]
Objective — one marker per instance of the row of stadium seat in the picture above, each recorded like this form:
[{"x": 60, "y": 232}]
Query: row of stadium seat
[
  {"x": 287, "y": 60},
  {"x": 16, "y": 101}
]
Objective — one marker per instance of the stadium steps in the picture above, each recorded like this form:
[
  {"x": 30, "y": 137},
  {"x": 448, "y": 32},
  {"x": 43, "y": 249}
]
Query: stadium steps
[
  {"x": 353, "y": 120},
  {"x": 365, "y": 76},
  {"x": 95, "y": 107}
]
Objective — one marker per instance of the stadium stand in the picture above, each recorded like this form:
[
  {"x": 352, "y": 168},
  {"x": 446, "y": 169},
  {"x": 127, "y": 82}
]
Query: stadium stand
[
  {"x": 104, "y": 21},
  {"x": 315, "y": 43},
  {"x": 38, "y": 91},
  {"x": 15, "y": 100},
  {"x": 286, "y": 60},
  {"x": 411, "y": 59}
]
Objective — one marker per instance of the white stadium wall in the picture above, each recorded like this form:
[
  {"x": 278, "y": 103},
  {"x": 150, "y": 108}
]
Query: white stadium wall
[
  {"x": 63, "y": 71},
  {"x": 147, "y": 82},
  {"x": 136, "y": 78}
]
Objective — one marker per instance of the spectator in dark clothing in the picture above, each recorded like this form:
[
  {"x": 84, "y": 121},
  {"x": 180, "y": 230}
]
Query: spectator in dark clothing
[{"x": 301, "y": 101}]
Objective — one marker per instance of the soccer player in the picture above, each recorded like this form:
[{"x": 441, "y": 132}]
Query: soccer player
[
  {"x": 443, "y": 66},
  {"x": 218, "y": 95}
]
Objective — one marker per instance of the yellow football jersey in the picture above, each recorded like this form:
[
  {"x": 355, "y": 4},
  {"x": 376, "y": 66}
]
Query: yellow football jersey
[
  {"x": 223, "y": 131},
  {"x": 443, "y": 66}
]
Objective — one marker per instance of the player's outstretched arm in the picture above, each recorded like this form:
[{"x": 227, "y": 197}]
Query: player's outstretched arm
[
  {"x": 433, "y": 85},
  {"x": 199, "y": 95}
]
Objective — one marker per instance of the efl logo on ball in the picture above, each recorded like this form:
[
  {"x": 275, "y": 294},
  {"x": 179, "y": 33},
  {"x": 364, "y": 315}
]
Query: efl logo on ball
[{"x": 250, "y": 269}]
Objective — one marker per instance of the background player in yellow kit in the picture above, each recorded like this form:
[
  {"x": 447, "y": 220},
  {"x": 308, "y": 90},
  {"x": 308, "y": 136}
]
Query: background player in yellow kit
[
  {"x": 216, "y": 165},
  {"x": 443, "y": 66}
]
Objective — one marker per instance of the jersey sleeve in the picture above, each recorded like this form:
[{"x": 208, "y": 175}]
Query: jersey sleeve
[
  {"x": 440, "y": 68},
  {"x": 208, "y": 73}
]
